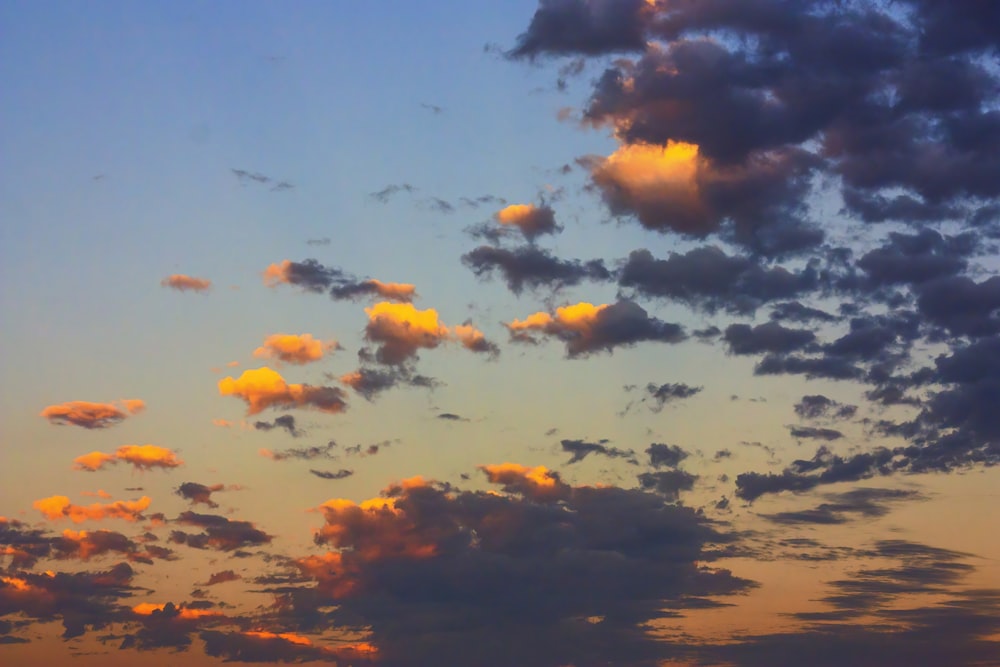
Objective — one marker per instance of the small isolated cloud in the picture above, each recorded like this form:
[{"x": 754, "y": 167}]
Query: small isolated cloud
[
  {"x": 532, "y": 221},
  {"x": 55, "y": 508},
  {"x": 199, "y": 493},
  {"x": 814, "y": 433},
  {"x": 286, "y": 422},
  {"x": 182, "y": 283},
  {"x": 326, "y": 474},
  {"x": 580, "y": 449},
  {"x": 665, "y": 456},
  {"x": 92, "y": 415},
  {"x": 142, "y": 457},
  {"x": 264, "y": 388},
  {"x": 668, "y": 483},
  {"x": 222, "y": 577},
  {"x": 400, "y": 330},
  {"x": 669, "y": 392},
  {"x": 313, "y": 276},
  {"x": 296, "y": 349},
  {"x": 586, "y": 328},
  {"x": 817, "y": 406},
  {"x": 388, "y": 192}
]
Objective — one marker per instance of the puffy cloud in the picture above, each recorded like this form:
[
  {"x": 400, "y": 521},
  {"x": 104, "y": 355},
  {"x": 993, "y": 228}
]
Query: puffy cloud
[
  {"x": 522, "y": 570},
  {"x": 588, "y": 27},
  {"x": 286, "y": 422},
  {"x": 586, "y": 328},
  {"x": 313, "y": 276},
  {"x": 294, "y": 348},
  {"x": 92, "y": 415},
  {"x": 400, "y": 330},
  {"x": 532, "y": 221},
  {"x": 767, "y": 337},
  {"x": 55, "y": 508},
  {"x": 264, "y": 388},
  {"x": 142, "y": 457},
  {"x": 184, "y": 283},
  {"x": 87, "y": 544}
]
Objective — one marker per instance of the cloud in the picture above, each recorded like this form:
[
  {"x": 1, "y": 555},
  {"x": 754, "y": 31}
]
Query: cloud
[
  {"x": 767, "y": 337},
  {"x": 385, "y": 194},
  {"x": 220, "y": 533},
  {"x": 343, "y": 473},
  {"x": 843, "y": 507},
  {"x": 401, "y": 292},
  {"x": 295, "y": 349},
  {"x": 668, "y": 483},
  {"x": 222, "y": 577},
  {"x": 708, "y": 279},
  {"x": 532, "y": 221},
  {"x": 199, "y": 493},
  {"x": 529, "y": 565},
  {"x": 665, "y": 456},
  {"x": 327, "y": 451},
  {"x": 286, "y": 422},
  {"x": 92, "y": 415},
  {"x": 532, "y": 267},
  {"x": 580, "y": 450},
  {"x": 590, "y": 28},
  {"x": 816, "y": 406},
  {"x": 141, "y": 457},
  {"x": 814, "y": 433},
  {"x": 400, "y": 330},
  {"x": 55, "y": 508},
  {"x": 264, "y": 388},
  {"x": 669, "y": 392},
  {"x": 586, "y": 328},
  {"x": 183, "y": 283}
]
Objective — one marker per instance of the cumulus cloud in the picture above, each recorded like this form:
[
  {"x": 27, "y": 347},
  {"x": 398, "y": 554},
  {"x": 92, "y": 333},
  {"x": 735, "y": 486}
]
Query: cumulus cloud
[
  {"x": 533, "y": 267},
  {"x": 219, "y": 533},
  {"x": 400, "y": 330},
  {"x": 295, "y": 349},
  {"x": 264, "y": 388},
  {"x": 312, "y": 276},
  {"x": 92, "y": 415},
  {"x": 183, "y": 283},
  {"x": 586, "y": 328}
]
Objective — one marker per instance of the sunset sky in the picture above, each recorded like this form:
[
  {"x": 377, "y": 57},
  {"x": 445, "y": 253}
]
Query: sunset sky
[{"x": 539, "y": 333}]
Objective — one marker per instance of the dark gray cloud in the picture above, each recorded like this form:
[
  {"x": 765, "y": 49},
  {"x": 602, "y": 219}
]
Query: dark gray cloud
[
  {"x": 343, "y": 473},
  {"x": 561, "y": 27},
  {"x": 817, "y": 406},
  {"x": 385, "y": 194},
  {"x": 814, "y": 433},
  {"x": 219, "y": 532},
  {"x": 669, "y": 392},
  {"x": 848, "y": 506},
  {"x": 580, "y": 449},
  {"x": 665, "y": 456},
  {"x": 667, "y": 483},
  {"x": 533, "y": 267},
  {"x": 327, "y": 451},
  {"x": 767, "y": 337},
  {"x": 286, "y": 422},
  {"x": 708, "y": 279},
  {"x": 199, "y": 493}
]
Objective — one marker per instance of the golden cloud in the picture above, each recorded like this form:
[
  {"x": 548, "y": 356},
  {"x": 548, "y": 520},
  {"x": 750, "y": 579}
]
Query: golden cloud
[
  {"x": 184, "y": 283},
  {"x": 143, "y": 457},
  {"x": 264, "y": 388},
  {"x": 92, "y": 415},
  {"x": 60, "y": 507},
  {"x": 400, "y": 330},
  {"x": 294, "y": 348}
]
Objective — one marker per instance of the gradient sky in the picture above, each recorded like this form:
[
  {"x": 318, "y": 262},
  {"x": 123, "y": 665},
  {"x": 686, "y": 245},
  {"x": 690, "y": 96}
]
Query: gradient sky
[{"x": 539, "y": 333}]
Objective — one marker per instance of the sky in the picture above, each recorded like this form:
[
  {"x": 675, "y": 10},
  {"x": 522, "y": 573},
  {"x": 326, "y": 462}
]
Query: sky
[{"x": 544, "y": 333}]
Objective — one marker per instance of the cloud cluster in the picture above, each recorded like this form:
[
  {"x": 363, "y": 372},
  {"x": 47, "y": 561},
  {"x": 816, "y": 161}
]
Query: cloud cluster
[
  {"x": 399, "y": 331},
  {"x": 295, "y": 349}
]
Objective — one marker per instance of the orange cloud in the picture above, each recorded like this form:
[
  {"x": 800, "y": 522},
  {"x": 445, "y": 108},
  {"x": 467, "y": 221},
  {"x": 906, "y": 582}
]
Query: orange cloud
[
  {"x": 223, "y": 423},
  {"x": 147, "y": 457},
  {"x": 93, "y": 461},
  {"x": 264, "y": 388},
  {"x": 143, "y": 457},
  {"x": 277, "y": 274},
  {"x": 60, "y": 507},
  {"x": 400, "y": 330},
  {"x": 294, "y": 349},
  {"x": 184, "y": 283},
  {"x": 531, "y": 220},
  {"x": 148, "y": 608},
  {"x": 537, "y": 483},
  {"x": 394, "y": 291},
  {"x": 92, "y": 415}
]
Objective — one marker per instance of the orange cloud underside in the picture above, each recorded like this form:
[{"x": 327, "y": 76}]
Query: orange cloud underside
[
  {"x": 92, "y": 415},
  {"x": 179, "y": 281},
  {"x": 143, "y": 457},
  {"x": 264, "y": 387}
]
